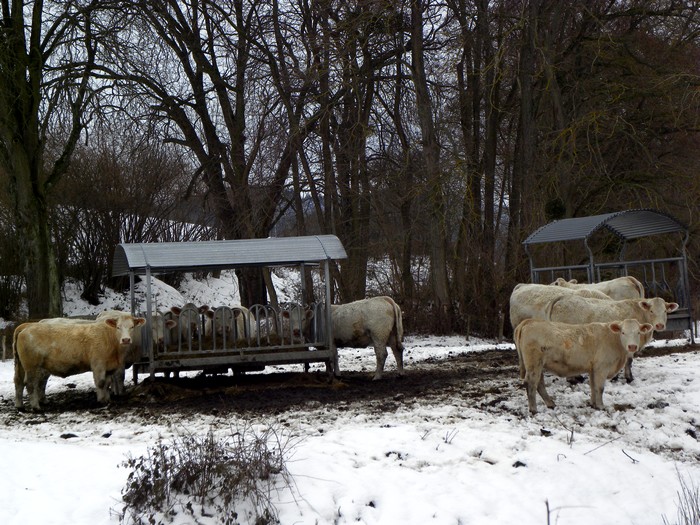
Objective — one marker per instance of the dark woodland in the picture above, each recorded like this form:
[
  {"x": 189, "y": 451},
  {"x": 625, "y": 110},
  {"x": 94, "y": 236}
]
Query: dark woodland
[{"x": 431, "y": 135}]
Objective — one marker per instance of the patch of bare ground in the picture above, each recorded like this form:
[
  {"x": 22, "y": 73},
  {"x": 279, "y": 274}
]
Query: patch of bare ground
[{"x": 478, "y": 377}]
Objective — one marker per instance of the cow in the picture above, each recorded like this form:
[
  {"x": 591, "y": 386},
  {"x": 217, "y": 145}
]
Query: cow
[
  {"x": 64, "y": 349},
  {"x": 295, "y": 324},
  {"x": 598, "y": 349},
  {"x": 232, "y": 322},
  {"x": 530, "y": 301},
  {"x": 159, "y": 325},
  {"x": 626, "y": 287},
  {"x": 376, "y": 321},
  {"x": 189, "y": 323},
  {"x": 579, "y": 310}
]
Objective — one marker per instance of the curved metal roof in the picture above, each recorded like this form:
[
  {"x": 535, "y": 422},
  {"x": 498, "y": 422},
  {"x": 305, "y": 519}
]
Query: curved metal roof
[
  {"x": 630, "y": 224},
  {"x": 162, "y": 257}
]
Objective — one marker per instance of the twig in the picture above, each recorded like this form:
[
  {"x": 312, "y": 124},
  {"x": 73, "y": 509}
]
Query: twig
[
  {"x": 626, "y": 454},
  {"x": 601, "y": 446}
]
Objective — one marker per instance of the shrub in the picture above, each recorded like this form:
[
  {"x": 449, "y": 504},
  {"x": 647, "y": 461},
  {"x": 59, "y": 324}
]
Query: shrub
[
  {"x": 230, "y": 479},
  {"x": 688, "y": 511}
]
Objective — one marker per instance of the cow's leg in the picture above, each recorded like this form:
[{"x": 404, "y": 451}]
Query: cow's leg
[
  {"x": 397, "y": 350},
  {"x": 42, "y": 386},
  {"x": 548, "y": 401},
  {"x": 19, "y": 383},
  {"x": 533, "y": 376},
  {"x": 34, "y": 380},
  {"x": 628, "y": 370},
  {"x": 116, "y": 381},
  {"x": 101, "y": 384},
  {"x": 381, "y": 353},
  {"x": 597, "y": 381}
]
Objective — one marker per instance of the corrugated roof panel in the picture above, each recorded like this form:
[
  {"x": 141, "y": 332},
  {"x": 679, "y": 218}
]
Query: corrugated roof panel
[
  {"x": 210, "y": 255},
  {"x": 629, "y": 224}
]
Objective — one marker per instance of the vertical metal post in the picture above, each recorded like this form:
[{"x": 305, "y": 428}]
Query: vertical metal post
[
  {"x": 591, "y": 266},
  {"x": 686, "y": 287},
  {"x": 132, "y": 296},
  {"x": 329, "y": 319},
  {"x": 149, "y": 319}
]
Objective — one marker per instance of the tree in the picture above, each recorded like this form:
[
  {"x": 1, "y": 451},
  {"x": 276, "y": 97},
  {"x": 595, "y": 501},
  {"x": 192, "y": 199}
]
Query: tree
[
  {"x": 433, "y": 173},
  {"x": 47, "y": 53}
]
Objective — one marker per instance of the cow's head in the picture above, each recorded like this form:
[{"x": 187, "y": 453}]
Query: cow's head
[
  {"x": 295, "y": 322},
  {"x": 188, "y": 318},
  {"x": 633, "y": 335},
  {"x": 563, "y": 282},
  {"x": 125, "y": 325},
  {"x": 159, "y": 325},
  {"x": 225, "y": 319},
  {"x": 657, "y": 311}
]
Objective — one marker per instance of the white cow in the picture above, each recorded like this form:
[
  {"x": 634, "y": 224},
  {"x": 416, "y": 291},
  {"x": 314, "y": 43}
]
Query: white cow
[
  {"x": 578, "y": 310},
  {"x": 376, "y": 321},
  {"x": 188, "y": 319},
  {"x": 530, "y": 301},
  {"x": 626, "y": 287},
  {"x": 597, "y": 349},
  {"x": 234, "y": 322},
  {"x": 159, "y": 326},
  {"x": 63, "y": 349}
]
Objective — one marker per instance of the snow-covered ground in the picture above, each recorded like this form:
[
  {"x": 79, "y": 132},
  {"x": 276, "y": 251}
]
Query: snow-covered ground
[{"x": 443, "y": 463}]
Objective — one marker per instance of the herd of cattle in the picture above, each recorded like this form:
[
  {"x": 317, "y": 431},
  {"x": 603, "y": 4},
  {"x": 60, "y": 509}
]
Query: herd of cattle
[
  {"x": 112, "y": 342},
  {"x": 566, "y": 328},
  {"x": 570, "y": 329}
]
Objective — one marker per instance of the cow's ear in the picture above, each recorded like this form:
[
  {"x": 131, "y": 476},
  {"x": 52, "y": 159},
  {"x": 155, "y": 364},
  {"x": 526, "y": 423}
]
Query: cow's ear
[
  {"x": 285, "y": 314},
  {"x": 138, "y": 321},
  {"x": 203, "y": 308},
  {"x": 615, "y": 327},
  {"x": 309, "y": 314},
  {"x": 646, "y": 328},
  {"x": 111, "y": 322},
  {"x": 209, "y": 314},
  {"x": 170, "y": 323},
  {"x": 176, "y": 310},
  {"x": 573, "y": 281},
  {"x": 672, "y": 307},
  {"x": 645, "y": 304}
]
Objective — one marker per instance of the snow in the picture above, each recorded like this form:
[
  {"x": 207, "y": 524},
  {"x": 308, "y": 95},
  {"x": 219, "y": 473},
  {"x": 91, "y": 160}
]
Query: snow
[{"x": 446, "y": 462}]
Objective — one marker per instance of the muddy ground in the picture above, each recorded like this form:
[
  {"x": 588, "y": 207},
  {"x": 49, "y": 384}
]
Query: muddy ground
[{"x": 484, "y": 378}]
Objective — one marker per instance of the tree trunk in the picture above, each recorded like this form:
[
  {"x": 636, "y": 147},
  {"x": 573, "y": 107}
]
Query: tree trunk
[
  {"x": 436, "y": 199},
  {"x": 521, "y": 181}
]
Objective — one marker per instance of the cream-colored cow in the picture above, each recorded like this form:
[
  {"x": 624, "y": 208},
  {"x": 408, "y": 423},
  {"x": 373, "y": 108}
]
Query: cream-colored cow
[
  {"x": 578, "y": 310},
  {"x": 376, "y": 321},
  {"x": 64, "y": 349},
  {"x": 530, "y": 301},
  {"x": 597, "y": 349},
  {"x": 626, "y": 287}
]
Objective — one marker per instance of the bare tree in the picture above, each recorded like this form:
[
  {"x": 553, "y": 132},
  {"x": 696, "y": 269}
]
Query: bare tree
[
  {"x": 47, "y": 53},
  {"x": 433, "y": 172}
]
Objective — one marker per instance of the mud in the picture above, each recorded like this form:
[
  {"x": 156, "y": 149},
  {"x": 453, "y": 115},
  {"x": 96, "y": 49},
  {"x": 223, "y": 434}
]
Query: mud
[{"x": 479, "y": 376}]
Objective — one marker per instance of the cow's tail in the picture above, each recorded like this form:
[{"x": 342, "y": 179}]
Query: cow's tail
[
  {"x": 398, "y": 325},
  {"x": 397, "y": 329},
  {"x": 550, "y": 307},
  {"x": 19, "y": 369},
  {"x": 638, "y": 285},
  {"x": 516, "y": 340}
]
